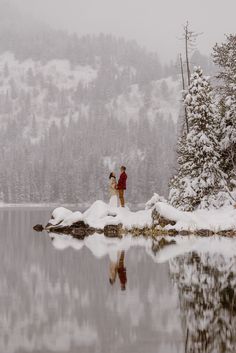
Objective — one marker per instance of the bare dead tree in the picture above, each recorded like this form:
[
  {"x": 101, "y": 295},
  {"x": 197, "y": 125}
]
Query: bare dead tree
[
  {"x": 182, "y": 71},
  {"x": 183, "y": 85},
  {"x": 190, "y": 38},
  {"x": 187, "y": 37}
]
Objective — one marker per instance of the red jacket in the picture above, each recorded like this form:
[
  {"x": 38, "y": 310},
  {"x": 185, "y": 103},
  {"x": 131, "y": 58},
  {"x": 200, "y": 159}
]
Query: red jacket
[{"x": 122, "y": 181}]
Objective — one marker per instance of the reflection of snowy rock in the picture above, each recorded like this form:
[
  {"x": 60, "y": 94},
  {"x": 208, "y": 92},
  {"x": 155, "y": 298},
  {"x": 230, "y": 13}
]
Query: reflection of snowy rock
[
  {"x": 98, "y": 244},
  {"x": 162, "y": 243},
  {"x": 61, "y": 242},
  {"x": 168, "y": 248}
]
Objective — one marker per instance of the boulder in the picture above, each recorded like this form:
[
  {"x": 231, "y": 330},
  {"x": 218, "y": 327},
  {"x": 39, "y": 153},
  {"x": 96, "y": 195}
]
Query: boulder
[
  {"x": 185, "y": 232},
  {"x": 204, "y": 233},
  {"x": 38, "y": 228},
  {"x": 79, "y": 233},
  {"x": 227, "y": 233},
  {"x": 91, "y": 231},
  {"x": 99, "y": 231},
  {"x": 80, "y": 224},
  {"x": 112, "y": 231},
  {"x": 78, "y": 229},
  {"x": 157, "y": 218},
  {"x": 173, "y": 232}
]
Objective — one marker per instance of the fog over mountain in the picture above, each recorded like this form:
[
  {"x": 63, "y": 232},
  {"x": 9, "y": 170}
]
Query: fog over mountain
[
  {"x": 73, "y": 108},
  {"x": 156, "y": 24}
]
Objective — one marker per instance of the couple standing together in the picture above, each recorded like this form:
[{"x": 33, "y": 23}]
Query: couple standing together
[{"x": 117, "y": 189}]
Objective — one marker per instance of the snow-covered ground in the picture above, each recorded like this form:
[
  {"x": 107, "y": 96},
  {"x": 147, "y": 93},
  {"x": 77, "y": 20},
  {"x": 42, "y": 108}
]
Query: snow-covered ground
[
  {"x": 100, "y": 214},
  {"x": 214, "y": 219}
]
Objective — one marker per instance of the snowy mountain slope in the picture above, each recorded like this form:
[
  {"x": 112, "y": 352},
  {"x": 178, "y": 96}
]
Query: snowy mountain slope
[
  {"x": 59, "y": 71},
  {"x": 59, "y": 116},
  {"x": 160, "y": 98},
  {"x": 39, "y": 93},
  {"x": 55, "y": 90}
]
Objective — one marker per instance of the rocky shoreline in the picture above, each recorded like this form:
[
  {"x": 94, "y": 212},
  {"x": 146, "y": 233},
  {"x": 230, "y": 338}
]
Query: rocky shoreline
[{"x": 161, "y": 226}]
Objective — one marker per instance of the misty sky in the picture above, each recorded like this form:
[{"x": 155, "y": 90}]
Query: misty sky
[{"x": 156, "y": 24}]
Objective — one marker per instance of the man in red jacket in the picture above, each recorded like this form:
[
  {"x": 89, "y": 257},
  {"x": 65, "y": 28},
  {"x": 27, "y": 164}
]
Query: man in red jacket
[{"x": 121, "y": 186}]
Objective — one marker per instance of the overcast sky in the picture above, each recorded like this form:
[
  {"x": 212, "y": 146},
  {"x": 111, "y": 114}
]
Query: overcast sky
[{"x": 156, "y": 24}]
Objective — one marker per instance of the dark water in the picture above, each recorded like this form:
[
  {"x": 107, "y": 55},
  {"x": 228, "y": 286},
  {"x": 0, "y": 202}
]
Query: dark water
[{"x": 61, "y": 300}]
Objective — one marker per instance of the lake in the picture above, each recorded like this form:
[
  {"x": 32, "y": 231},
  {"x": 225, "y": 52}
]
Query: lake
[{"x": 59, "y": 294}]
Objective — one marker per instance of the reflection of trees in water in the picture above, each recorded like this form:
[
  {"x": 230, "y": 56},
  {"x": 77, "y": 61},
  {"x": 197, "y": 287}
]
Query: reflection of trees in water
[
  {"x": 62, "y": 300},
  {"x": 207, "y": 291},
  {"x": 62, "y": 307}
]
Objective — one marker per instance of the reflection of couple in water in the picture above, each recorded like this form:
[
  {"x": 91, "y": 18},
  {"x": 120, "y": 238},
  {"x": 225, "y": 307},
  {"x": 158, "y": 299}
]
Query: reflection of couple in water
[{"x": 117, "y": 267}]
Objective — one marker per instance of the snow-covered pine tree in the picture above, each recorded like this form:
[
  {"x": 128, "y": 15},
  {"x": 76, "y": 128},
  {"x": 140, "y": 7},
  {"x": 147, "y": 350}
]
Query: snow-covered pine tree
[
  {"x": 225, "y": 57},
  {"x": 200, "y": 178},
  {"x": 177, "y": 183}
]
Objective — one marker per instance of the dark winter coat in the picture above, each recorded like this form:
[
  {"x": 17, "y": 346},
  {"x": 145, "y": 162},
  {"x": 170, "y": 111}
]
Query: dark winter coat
[{"x": 122, "y": 181}]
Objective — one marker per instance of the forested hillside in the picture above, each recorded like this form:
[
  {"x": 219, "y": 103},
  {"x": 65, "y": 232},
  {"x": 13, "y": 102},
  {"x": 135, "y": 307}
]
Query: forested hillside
[
  {"x": 73, "y": 109},
  {"x": 59, "y": 141}
]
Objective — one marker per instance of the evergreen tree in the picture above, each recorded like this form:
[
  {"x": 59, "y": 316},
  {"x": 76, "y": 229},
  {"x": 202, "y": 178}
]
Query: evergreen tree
[
  {"x": 225, "y": 57},
  {"x": 200, "y": 178}
]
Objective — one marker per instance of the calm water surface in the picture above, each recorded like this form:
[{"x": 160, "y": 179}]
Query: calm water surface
[{"x": 56, "y": 296}]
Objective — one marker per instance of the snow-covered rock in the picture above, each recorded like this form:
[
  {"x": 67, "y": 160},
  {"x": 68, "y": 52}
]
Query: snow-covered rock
[
  {"x": 214, "y": 219},
  {"x": 100, "y": 215},
  {"x": 152, "y": 202},
  {"x": 60, "y": 214}
]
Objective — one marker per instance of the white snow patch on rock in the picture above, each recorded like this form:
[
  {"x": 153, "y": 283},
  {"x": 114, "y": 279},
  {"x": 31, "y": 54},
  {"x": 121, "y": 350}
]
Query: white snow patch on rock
[
  {"x": 214, "y": 219},
  {"x": 100, "y": 214},
  {"x": 59, "y": 215}
]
